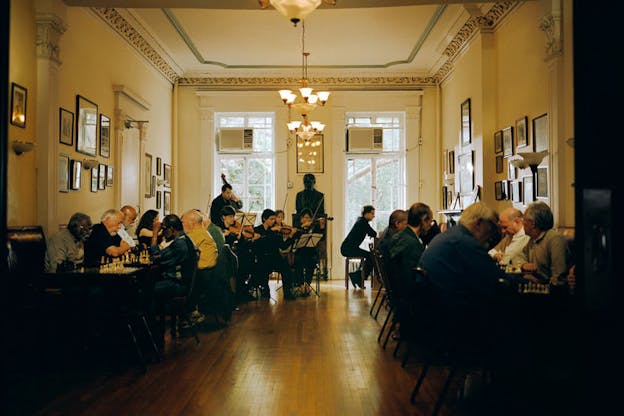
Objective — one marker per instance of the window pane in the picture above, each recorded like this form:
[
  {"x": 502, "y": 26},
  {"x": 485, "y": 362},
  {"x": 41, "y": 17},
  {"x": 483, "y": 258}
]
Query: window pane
[
  {"x": 359, "y": 181},
  {"x": 391, "y": 140},
  {"x": 263, "y": 140},
  {"x": 232, "y": 121},
  {"x": 260, "y": 174},
  {"x": 388, "y": 190}
]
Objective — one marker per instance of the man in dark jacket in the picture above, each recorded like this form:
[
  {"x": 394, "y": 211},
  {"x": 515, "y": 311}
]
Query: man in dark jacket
[{"x": 350, "y": 247}]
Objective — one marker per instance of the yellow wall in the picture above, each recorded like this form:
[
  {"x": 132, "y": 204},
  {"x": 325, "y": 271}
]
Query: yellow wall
[{"x": 21, "y": 178}]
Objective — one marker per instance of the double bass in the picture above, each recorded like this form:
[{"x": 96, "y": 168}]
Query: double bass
[{"x": 238, "y": 228}]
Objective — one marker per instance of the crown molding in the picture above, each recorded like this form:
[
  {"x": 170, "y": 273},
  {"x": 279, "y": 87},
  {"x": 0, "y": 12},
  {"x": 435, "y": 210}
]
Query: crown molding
[{"x": 335, "y": 83}]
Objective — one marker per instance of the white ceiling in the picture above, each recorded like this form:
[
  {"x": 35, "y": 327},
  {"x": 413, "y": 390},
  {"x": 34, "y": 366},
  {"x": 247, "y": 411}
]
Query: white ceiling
[{"x": 236, "y": 38}]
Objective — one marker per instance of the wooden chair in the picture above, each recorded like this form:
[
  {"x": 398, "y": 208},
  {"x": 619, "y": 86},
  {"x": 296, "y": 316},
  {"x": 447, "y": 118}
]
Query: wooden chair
[{"x": 348, "y": 262}]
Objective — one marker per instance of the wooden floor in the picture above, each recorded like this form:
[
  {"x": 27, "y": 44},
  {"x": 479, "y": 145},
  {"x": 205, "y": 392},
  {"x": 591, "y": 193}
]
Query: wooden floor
[{"x": 310, "y": 356}]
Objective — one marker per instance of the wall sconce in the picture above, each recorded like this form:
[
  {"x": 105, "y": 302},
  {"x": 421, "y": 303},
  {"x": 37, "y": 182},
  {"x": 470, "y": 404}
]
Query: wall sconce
[
  {"x": 89, "y": 164},
  {"x": 20, "y": 147},
  {"x": 530, "y": 160}
]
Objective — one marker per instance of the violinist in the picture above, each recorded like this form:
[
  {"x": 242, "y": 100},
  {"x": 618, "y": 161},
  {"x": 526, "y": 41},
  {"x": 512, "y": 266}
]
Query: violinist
[
  {"x": 242, "y": 247},
  {"x": 226, "y": 198},
  {"x": 287, "y": 233},
  {"x": 307, "y": 258},
  {"x": 268, "y": 258}
]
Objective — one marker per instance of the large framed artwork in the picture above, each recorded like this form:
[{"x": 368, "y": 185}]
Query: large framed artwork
[
  {"x": 147, "y": 166},
  {"x": 63, "y": 179},
  {"x": 466, "y": 137},
  {"x": 105, "y": 128},
  {"x": 66, "y": 127},
  {"x": 18, "y": 105},
  {"x": 86, "y": 126},
  {"x": 466, "y": 172},
  {"x": 540, "y": 132},
  {"x": 310, "y": 154}
]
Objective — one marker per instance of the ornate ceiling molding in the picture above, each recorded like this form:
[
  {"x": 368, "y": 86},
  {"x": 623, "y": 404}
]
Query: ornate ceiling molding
[
  {"x": 134, "y": 38},
  {"x": 335, "y": 83}
]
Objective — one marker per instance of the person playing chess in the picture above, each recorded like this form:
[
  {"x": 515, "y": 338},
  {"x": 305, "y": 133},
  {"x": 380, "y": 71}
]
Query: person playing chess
[{"x": 104, "y": 240}]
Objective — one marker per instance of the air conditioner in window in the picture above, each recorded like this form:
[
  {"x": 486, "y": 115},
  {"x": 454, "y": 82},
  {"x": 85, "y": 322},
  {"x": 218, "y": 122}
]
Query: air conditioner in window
[
  {"x": 235, "y": 139},
  {"x": 364, "y": 139}
]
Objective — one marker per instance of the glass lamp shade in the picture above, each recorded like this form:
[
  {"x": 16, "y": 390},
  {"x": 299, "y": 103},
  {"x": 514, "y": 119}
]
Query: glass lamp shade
[
  {"x": 303, "y": 108},
  {"x": 323, "y": 96},
  {"x": 295, "y": 10},
  {"x": 284, "y": 94},
  {"x": 533, "y": 158}
]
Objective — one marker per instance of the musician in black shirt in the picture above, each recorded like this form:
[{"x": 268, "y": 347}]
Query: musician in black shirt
[{"x": 350, "y": 247}]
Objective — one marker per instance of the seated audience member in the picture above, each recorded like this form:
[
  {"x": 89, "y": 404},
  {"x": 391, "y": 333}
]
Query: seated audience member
[
  {"x": 177, "y": 258},
  {"x": 350, "y": 246},
  {"x": 547, "y": 250},
  {"x": 457, "y": 263},
  {"x": 144, "y": 229},
  {"x": 407, "y": 247},
  {"x": 104, "y": 240},
  {"x": 130, "y": 216},
  {"x": 67, "y": 246},
  {"x": 396, "y": 223},
  {"x": 213, "y": 229},
  {"x": 510, "y": 250},
  {"x": 434, "y": 229}
]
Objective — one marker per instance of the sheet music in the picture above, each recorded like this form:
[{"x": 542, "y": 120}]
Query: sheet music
[
  {"x": 308, "y": 240},
  {"x": 365, "y": 244},
  {"x": 246, "y": 218}
]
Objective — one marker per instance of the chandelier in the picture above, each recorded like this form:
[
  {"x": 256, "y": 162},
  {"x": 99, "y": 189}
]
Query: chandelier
[
  {"x": 295, "y": 10},
  {"x": 305, "y": 103}
]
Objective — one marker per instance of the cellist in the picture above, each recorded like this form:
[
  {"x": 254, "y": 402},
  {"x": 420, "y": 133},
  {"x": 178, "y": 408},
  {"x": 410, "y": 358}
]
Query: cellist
[{"x": 306, "y": 258}]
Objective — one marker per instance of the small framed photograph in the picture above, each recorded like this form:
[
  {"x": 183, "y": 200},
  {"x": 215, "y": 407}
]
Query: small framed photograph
[
  {"x": 109, "y": 176},
  {"x": 158, "y": 199},
  {"x": 153, "y": 186},
  {"x": 506, "y": 191},
  {"x": 499, "y": 164},
  {"x": 101, "y": 177},
  {"x": 466, "y": 172},
  {"x": 516, "y": 191},
  {"x": 498, "y": 142},
  {"x": 498, "y": 190},
  {"x": 76, "y": 167},
  {"x": 522, "y": 137},
  {"x": 18, "y": 105},
  {"x": 105, "y": 128},
  {"x": 540, "y": 132},
  {"x": 147, "y": 165},
  {"x": 63, "y": 179},
  {"x": 527, "y": 189},
  {"x": 451, "y": 162},
  {"x": 158, "y": 166},
  {"x": 508, "y": 142},
  {"x": 66, "y": 127},
  {"x": 541, "y": 190},
  {"x": 86, "y": 126},
  {"x": 466, "y": 124},
  {"x": 94, "y": 179},
  {"x": 512, "y": 172},
  {"x": 166, "y": 202},
  {"x": 167, "y": 175}
]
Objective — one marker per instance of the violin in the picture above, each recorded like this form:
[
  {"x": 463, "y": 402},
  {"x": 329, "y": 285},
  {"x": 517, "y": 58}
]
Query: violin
[
  {"x": 246, "y": 231},
  {"x": 284, "y": 229}
]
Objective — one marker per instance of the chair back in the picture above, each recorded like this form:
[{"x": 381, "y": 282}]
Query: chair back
[
  {"x": 27, "y": 248},
  {"x": 380, "y": 269}
]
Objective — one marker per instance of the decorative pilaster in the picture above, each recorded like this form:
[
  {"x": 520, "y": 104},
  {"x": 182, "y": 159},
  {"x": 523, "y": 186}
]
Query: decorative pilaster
[
  {"x": 49, "y": 31},
  {"x": 551, "y": 26}
]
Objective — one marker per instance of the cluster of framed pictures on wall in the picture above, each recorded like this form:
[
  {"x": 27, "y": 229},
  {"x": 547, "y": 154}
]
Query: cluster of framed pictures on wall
[
  {"x": 520, "y": 182},
  {"x": 93, "y": 133},
  {"x": 163, "y": 197}
]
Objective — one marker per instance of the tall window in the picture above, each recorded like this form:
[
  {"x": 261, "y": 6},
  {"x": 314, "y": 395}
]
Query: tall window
[
  {"x": 251, "y": 174},
  {"x": 376, "y": 179}
]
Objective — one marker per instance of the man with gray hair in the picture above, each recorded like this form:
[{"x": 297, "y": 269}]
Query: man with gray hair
[
  {"x": 130, "y": 215},
  {"x": 68, "y": 244},
  {"x": 104, "y": 240},
  {"x": 510, "y": 250},
  {"x": 547, "y": 250}
]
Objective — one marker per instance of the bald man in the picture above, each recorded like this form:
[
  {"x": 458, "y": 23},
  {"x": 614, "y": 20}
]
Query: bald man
[
  {"x": 104, "y": 240},
  {"x": 511, "y": 247},
  {"x": 129, "y": 217}
]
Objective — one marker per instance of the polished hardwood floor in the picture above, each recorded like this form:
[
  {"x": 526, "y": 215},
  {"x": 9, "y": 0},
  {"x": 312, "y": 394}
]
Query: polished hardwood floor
[{"x": 310, "y": 356}]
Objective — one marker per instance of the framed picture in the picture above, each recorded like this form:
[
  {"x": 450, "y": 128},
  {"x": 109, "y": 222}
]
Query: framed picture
[
  {"x": 167, "y": 175},
  {"x": 498, "y": 141},
  {"x": 105, "y": 128},
  {"x": 166, "y": 202},
  {"x": 498, "y": 190},
  {"x": 508, "y": 143},
  {"x": 512, "y": 172},
  {"x": 153, "y": 186},
  {"x": 522, "y": 138},
  {"x": 147, "y": 166},
  {"x": 466, "y": 137},
  {"x": 66, "y": 127},
  {"x": 94, "y": 179},
  {"x": 86, "y": 126},
  {"x": 63, "y": 178},
  {"x": 18, "y": 105},
  {"x": 466, "y": 172},
  {"x": 310, "y": 154},
  {"x": 109, "y": 176},
  {"x": 506, "y": 191},
  {"x": 445, "y": 201},
  {"x": 76, "y": 167},
  {"x": 451, "y": 162},
  {"x": 527, "y": 189},
  {"x": 101, "y": 176},
  {"x": 499, "y": 164},
  {"x": 540, "y": 132},
  {"x": 158, "y": 166},
  {"x": 541, "y": 190},
  {"x": 516, "y": 191},
  {"x": 158, "y": 199}
]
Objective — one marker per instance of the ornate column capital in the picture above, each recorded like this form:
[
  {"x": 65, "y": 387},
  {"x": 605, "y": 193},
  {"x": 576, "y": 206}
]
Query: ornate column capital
[
  {"x": 49, "y": 30},
  {"x": 551, "y": 26}
]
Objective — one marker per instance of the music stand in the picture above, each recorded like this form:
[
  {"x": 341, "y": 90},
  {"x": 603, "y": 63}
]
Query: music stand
[
  {"x": 311, "y": 240},
  {"x": 245, "y": 218}
]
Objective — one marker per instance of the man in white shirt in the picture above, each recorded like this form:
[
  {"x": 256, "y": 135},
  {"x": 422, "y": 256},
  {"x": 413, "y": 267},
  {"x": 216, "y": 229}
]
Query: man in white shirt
[
  {"x": 510, "y": 250},
  {"x": 130, "y": 216}
]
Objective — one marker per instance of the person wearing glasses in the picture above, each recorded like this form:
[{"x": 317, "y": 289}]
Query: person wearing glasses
[{"x": 66, "y": 248}]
